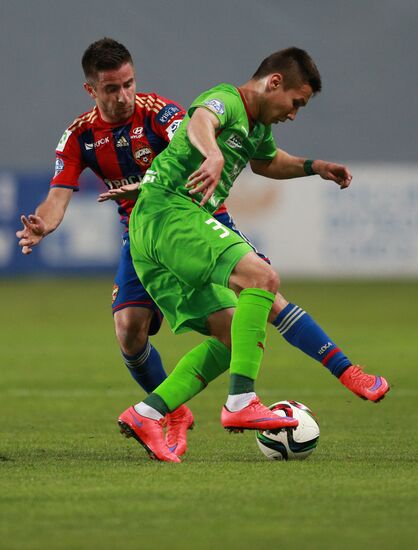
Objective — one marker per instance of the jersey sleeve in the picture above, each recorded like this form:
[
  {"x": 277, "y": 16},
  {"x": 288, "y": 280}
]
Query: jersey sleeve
[
  {"x": 68, "y": 162},
  {"x": 167, "y": 116},
  {"x": 267, "y": 149},
  {"x": 223, "y": 104}
]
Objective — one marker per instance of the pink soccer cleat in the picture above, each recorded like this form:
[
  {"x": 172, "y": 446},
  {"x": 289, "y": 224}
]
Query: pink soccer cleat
[
  {"x": 366, "y": 386},
  {"x": 255, "y": 416},
  {"x": 148, "y": 432},
  {"x": 178, "y": 422}
]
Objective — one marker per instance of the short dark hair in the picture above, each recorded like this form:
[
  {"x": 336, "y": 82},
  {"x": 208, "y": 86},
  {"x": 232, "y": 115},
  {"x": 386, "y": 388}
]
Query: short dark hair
[
  {"x": 104, "y": 55},
  {"x": 295, "y": 64}
]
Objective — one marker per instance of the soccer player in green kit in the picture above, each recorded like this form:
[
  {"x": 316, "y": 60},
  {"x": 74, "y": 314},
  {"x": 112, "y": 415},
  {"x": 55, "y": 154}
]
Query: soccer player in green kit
[{"x": 187, "y": 260}]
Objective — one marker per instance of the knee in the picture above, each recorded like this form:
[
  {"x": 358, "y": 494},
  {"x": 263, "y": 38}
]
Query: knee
[
  {"x": 269, "y": 280},
  {"x": 265, "y": 278},
  {"x": 252, "y": 272},
  {"x": 131, "y": 332}
]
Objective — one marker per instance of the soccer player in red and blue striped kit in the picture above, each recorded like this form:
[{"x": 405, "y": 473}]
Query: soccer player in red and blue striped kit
[{"x": 117, "y": 140}]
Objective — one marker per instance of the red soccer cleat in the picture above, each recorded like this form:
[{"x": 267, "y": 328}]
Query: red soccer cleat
[
  {"x": 148, "y": 432},
  {"x": 366, "y": 386},
  {"x": 255, "y": 416},
  {"x": 178, "y": 422}
]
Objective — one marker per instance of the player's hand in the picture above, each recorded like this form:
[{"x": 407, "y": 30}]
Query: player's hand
[
  {"x": 34, "y": 229},
  {"x": 129, "y": 192},
  {"x": 334, "y": 172},
  {"x": 206, "y": 177}
]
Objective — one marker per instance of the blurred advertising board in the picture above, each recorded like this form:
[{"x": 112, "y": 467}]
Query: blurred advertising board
[{"x": 308, "y": 227}]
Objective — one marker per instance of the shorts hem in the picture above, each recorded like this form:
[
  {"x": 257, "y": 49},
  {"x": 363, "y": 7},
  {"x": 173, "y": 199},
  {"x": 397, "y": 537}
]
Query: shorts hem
[
  {"x": 227, "y": 261},
  {"x": 124, "y": 305},
  {"x": 198, "y": 324}
]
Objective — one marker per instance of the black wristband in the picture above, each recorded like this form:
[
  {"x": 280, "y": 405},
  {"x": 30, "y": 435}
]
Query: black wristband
[{"x": 307, "y": 167}]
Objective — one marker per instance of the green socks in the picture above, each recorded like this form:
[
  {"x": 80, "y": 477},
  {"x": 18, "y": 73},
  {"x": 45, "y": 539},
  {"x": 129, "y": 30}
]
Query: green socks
[
  {"x": 248, "y": 337},
  {"x": 211, "y": 358},
  {"x": 191, "y": 375}
]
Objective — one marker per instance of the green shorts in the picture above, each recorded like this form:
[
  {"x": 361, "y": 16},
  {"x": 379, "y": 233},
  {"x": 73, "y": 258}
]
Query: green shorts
[{"x": 183, "y": 257}]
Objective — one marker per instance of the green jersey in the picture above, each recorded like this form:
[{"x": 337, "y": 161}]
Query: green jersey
[{"x": 238, "y": 137}]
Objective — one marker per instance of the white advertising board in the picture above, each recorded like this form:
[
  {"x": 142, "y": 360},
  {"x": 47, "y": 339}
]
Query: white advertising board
[{"x": 309, "y": 227}]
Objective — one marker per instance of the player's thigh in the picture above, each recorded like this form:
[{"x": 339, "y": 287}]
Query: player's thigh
[
  {"x": 253, "y": 272},
  {"x": 185, "y": 239},
  {"x": 133, "y": 320},
  {"x": 131, "y": 303},
  {"x": 184, "y": 307}
]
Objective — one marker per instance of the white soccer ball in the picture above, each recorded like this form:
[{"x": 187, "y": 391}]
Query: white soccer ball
[{"x": 290, "y": 444}]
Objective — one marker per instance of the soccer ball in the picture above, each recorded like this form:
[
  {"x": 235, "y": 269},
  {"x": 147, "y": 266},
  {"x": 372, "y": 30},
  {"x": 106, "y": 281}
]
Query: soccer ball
[{"x": 290, "y": 444}]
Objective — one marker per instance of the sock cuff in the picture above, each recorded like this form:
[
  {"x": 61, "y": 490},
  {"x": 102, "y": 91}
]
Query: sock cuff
[
  {"x": 239, "y": 384},
  {"x": 259, "y": 293},
  {"x": 288, "y": 317},
  {"x": 139, "y": 358},
  {"x": 157, "y": 402}
]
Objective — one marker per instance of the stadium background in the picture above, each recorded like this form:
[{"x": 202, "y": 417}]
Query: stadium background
[{"x": 365, "y": 116}]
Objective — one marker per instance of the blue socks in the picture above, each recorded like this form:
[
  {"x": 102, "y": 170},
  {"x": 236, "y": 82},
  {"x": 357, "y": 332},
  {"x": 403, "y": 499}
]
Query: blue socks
[
  {"x": 146, "y": 367},
  {"x": 299, "y": 329}
]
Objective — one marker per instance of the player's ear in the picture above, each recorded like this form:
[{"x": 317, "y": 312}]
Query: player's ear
[
  {"x": 275, "y": 81},
  {"x": 90, "y": 90}
]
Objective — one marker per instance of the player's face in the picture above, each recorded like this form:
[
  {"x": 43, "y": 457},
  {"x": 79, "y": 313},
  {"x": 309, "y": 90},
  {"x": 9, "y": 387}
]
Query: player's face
[
  {"x": 283, "y": 104},
  {"x": 114, "y": 93}
]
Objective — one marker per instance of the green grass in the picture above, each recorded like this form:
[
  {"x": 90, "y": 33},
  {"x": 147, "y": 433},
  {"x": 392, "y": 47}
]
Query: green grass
[{"x": 70, "y": 481}]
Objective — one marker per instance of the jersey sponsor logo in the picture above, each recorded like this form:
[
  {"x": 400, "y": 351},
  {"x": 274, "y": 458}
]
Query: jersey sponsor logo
[
  {"x": 150, "y": 176},
  {"x": 115, "y": 184},
  {"x": 167, "y": 113},
  {"x": 59, "y": 166},
  {"x": 143, "y": 156},
  {"x": 137, "y": 132},
  {"x": 216, "y": 105},
  {"x": 234, "y": 141},
  {"x": 96, "y": 144},
  {"x": 122, "y": 142},
  {"x": 171, "y": 130},
  {"x": 63, "y": 141}
]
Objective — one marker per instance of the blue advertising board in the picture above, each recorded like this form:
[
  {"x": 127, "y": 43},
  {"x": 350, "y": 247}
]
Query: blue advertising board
[{"x": 87, "y": 241}]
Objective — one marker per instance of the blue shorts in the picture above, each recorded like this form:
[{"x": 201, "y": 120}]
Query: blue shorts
[
  {"x": 226, "y": 219},
  {"x": 128, "y": 290}
]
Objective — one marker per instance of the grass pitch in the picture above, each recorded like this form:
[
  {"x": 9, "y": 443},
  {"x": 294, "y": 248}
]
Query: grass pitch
[{"x": 70, "y": 481}]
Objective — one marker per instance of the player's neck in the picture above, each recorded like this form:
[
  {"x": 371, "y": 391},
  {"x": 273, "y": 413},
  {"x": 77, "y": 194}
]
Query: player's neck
[{"x": 251, "y": 92}]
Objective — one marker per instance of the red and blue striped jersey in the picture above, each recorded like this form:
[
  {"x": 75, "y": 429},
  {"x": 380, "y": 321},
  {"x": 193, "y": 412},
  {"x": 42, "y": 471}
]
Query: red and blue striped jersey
[{"x": 117, "y": 153}]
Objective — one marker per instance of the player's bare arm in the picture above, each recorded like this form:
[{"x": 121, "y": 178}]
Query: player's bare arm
[
  {"x": 285, "y": 166},
  {"x": 129, "y": 192},
  {"x": 201, "y": 133},
  {"x": 46, "y": 219}
]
